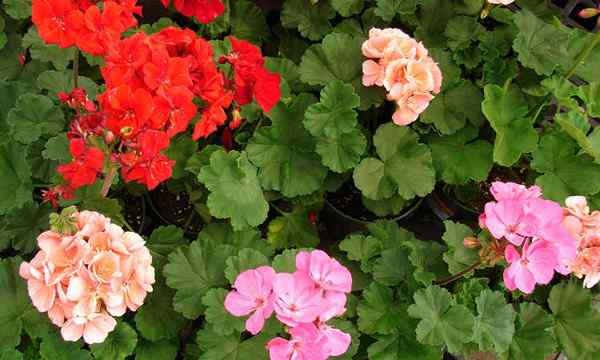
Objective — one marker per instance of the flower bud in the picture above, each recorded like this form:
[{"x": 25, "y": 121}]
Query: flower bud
[
  {"x": 471, "y": 242},
  {"x": 588, "y": 13}
]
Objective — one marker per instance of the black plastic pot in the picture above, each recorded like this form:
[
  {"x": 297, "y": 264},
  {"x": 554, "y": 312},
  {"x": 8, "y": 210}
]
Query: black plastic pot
[
  {"x": 178, "y": 211},
  {"x": 135, "y": 212}
]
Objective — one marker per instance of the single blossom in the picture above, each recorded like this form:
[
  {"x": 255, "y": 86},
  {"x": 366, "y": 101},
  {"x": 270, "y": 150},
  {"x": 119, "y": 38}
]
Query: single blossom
[
  {"x": 252, "y": 295},
  {"x": 501, "y": 2},
  {"x": 326, "y": 272},
  {"x": 584, "y": 226},
  {"x": 297, "y": 299},
  {"x": 506, "y": 219},
  {"x": 535, "y": 265},
  {"x": 306, "y": 344},
  {"x": 513, "y": 191}
]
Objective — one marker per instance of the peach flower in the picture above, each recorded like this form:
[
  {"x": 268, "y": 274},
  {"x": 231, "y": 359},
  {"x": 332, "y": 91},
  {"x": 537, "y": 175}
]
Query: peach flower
[
  {"x": 501, "y": 2},
  {"x": 83, "y": 278},
  {"x": 379, "y": 39}
]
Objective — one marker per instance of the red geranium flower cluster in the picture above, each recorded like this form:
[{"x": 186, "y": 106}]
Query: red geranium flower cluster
[{"x": 204, "y": 11}]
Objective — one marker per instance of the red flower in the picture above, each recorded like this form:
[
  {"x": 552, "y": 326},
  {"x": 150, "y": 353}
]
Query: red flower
[
  {"x": 57, "y": 21},
  {"x": 127, "y": 111},
  {"x": 85, "y": 166},
  {"x": 267, "y": 91},
  {"x": 212, "y": 117},
  {"x": 203, "y": 10},
  {"x": 165, "y": 72},
  {"x": 175, "y": 109},
  {"x": 123, "y": 60}
]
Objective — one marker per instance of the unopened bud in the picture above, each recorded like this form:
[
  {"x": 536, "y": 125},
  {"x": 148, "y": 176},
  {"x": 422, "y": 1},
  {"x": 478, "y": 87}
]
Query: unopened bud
[
  {"x": 471, "y": 242},
  {"x": 588, "y": 13},
  {"x": 109, "y": 137}
]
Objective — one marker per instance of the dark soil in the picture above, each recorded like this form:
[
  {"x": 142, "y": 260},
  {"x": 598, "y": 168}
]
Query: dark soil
[
  {"x": 134, "y": 210},
  {"x": 176, "y": 209}
]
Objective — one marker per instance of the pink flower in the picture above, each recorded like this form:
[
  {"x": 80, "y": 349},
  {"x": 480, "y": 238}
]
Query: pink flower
[
  {"x": 94, "y": 328},
  {"x": 297, "y": 299},
  {"x": 326, "y": 272},
  {"x": 372, "y": 73},
  {"x": 512, "y": 191},
  {"x": 409, "y": 108},
  {"x": 306, "y": 344},
  {"x": 535, "y": 265},
  {"x": 253, "y": 294},
  {"x": 506, "y": 219},
  {"x": 334, "y": 341},
  {"x": 501, "y": 2},
  {"x": 379, "y": 40}
]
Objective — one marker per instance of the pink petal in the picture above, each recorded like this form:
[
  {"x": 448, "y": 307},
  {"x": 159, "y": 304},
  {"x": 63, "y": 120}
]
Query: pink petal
[
  {"x": 238, "y": 304},
  {"x": 511, "y": 254},
  {"x": 279, "y": 349},
  {"x": 249, "y": 283},
  {"x": 303, "y": 261},
  {"x": 524, "y": 279},
  {"x": 255, "y": 322},
  {"x": 337, "y": 341},
  {"x": 71, "y": 331},
  {"x": 509, "y": 280},
  {"x": 97, "y": 329},
  {"x": 77, "y": 288}
]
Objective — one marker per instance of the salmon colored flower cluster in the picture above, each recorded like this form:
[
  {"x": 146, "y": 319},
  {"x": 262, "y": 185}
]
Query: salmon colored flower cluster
[
  {"x": 403, "y": 66},
  {"x": 584, "y": 226},
  {"x": 522, "y": 218},
  {"x": 87, "y": 272},
  {"x": 304, "y": 301},
  {"x": 501, "y": 2}
]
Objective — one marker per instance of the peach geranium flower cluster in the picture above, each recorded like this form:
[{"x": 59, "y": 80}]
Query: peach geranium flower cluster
[
  {"x": 86, "y": 275},
  {"x": 403, "y": 66},
  {"x": 584, "y": 226}
]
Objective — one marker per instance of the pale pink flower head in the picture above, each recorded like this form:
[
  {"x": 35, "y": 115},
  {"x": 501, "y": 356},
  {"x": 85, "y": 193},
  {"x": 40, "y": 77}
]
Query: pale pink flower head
[
  {"x": 507, "y": 219},
  {"x": 424, "y": 76},
  {"x": 379, "y": 40},
  {"x": 94, "y": 328},
  {"x": 326, "y": 272},
  {"x": 297, "y": 299},
  {"x": 513, "y": 191},
  {"x": 253, "y": 294},
  {"x": 42, "y": 295},
  {"x": 409, "y": 107},
  {"x": 306, "y": 344},
  {"x": 90, "y": 222},
  {"x": 501, "y": 2},
  {"x": 105, "y": 266},
  {"x": 373, "y": 73},
  {"x": 535, "y": 265}
]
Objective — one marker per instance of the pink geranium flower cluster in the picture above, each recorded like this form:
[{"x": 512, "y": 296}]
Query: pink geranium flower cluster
[
  {"x": 401, "y": 65},
  {"x": 304, "y": 301},
  {"x": 522, "y": 217},
  {"x": 584, "y": 226},
  {"x": 85, "y": 276}
]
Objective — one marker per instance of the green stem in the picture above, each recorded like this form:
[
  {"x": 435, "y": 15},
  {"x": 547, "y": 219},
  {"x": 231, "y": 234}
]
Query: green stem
[
  {"x": 583, "y": 55},
  {"x": 258, "y": 124},
  {"x": 188, "y": 221},
  {"x": 108, "y": 180},
  {"x": 127, "y": 225},
  {"x": 76, "y": 69},
  {"x": 459, "y": 275}
]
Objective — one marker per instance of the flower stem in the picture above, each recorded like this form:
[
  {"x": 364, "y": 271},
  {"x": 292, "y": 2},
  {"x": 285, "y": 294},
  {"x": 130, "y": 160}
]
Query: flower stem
[
  {"x": 459, "y": 275},
  {"x": 108, "y": 180},
  {"x": 583, "y": 55},
  {"x": 76, "y": 69}
]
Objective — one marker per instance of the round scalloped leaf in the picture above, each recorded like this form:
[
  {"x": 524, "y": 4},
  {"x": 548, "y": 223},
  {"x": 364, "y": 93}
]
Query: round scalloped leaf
[{"x": 119, "y": 344}]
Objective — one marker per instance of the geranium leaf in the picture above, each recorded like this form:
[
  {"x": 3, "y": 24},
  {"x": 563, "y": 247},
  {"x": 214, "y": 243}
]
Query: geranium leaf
[
  {"x": 235, "y": 191},
  {"x": 461, "y": 157},
  {"x": 387, "y": 207},
  {"x": 569, "y": 123},
  {"x": 392, "y": 347},
  {"x": 53, "y": 347},
  {"x": 192, "y": 272},
  {"x": 286, "y": 261},
  {"x": 590, "y": 93},
  {"x": 311, "y": 19},
  {"x": 495, "y": 323},
  {"x": 363, "y": 249},
  {"x": 392, "y": 267},
  {"x": 533, "y": 338},
  {"x": 39, "y": 50},
  {"x": 231, "y": 347},
  {"x": 245, "y": 259},
  {"x": 426, "y": 257},
  {"x": 15, "y": 302},
  {"x": 20, "y": 227},
  {"x": 469, "y": 291},
  {"x": 339, "y": 57},
  {"x": 292, "y": 230},
  {"x": 442, "y": 321},
  {"x": 156, "y": 319},
  {"x": 119, "y": 344},
  {"x": 458, "y": 257},
  {"x": 342, "y": 152},
  {"x": 222, "y": 322},
  {"x": 11, "y": 354},
  {"x": 507, "y": 112},
  {"x": 284, "y": 152},
  {"x": 57, "y": 148},
  {"x": 462, "y": 31},
  {"x": 181, "y": 149},
  {"x": 575, "y": 321},
  {"x": 15, "y": 177},
  {"x": 387, "y": 9},
  {"x": 565, "y": 171},
  {"x": 248, "y": 22},
  {"x": 34, "y": 116},
  {"x": 162, "y": 242},
  {"x": 347, "y": 7},
  {"x": 216, "y": 233},
  {"x": 378, "y": 312},
  {"x": 62, "y": 81},
  {"x": 404, "y": 166},
  {"x": 18, "y": 9},
  {"x": 159, "y": 350}
]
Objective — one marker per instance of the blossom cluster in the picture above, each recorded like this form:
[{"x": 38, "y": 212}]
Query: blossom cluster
[
  {"x": 204, "y": 11},
  {"x": 403, "y": 66},
  {"x": 524, "y": 219},
  {"x": 584, "y": 226},
  {"x": 87, "y": 273},
  {"x": 152, "y": 82},
  {"x": 304, "y": 301}
]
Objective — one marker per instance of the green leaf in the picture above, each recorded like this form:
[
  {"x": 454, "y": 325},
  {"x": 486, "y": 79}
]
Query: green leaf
[
  {"x": 34, "y": 116},
  {"x": 533, "y": 338},
  {"x": 53, "y": 347},
  {"x": 180, "y": 150},
  {"x": 286, "y": 261},
  {"x": 119, "y": 344},
  {"x": 387, "y": 207},
  {"x": 569, "y": 123},
  {"x": 426, "y": 257},
  {"x": 192, "y": 272},
  {"x": 215, "y": 234},
  {"x": 15, "y": 177},
  {"x": 347, "y": 8},
  {"x": 361, "y": 248},
  {"x": 378, "y": 312},
  {"x": 507, "y": 112},
  {"x": 231, "y": 347},
  {"x": 222, "y": 322},
  {"x": 339, "y": 57},
  {"x": 62, "y": 81},
  {"x": 235, "y": 190},
  {"x": 393, "y": 347},
  {"x": 156, "y": 319},
  {"x": 160, "y": 350},
  {"x": 392, "y": 267},
  {"x": 20, "y": 228},
  {"x": 458, "y": 257},
  {"x": 462, "y": 31},
  {"x": 162, "y": 242},
  {"x": 292, "y": 230},
  {"x": 248, "y": 22},
  {"x": 284, "y": 152},
  {"x": 387, "y": 9},
  {"x": 245, "y": 259},
  {"x": 404, "y": 166},
  {"x": 540, "y": 46},
  {"x": 495, "y": 323},
  {"x": 39, "y": 50},
  {"x": 461, "y": 157},
  {"x": 468, "y": 292},
  {"x": 450, "y": 110},
  {"x": 57, "y": 148},
  {"x": 18, "y": 9},
  {"x": 15, "y": 302},
  {"x": 590, "y": 93},
  {"x": 576, "y": 322},
  {"x": 442, "y": 321},
  {"x": 311, "y": 19},
  {"x": 11, "y": 354},
  {"x": 106, "y": 206},
  {"x": 565, "y": 171}
]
